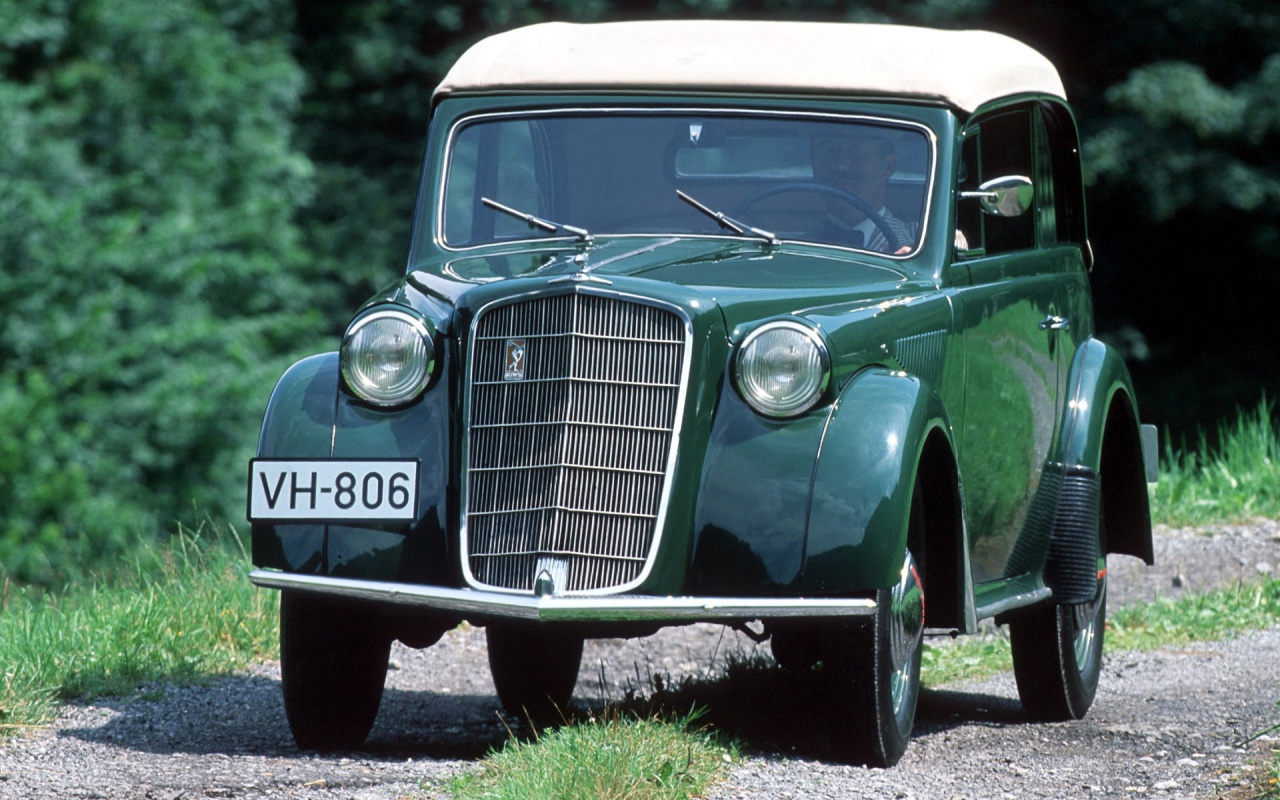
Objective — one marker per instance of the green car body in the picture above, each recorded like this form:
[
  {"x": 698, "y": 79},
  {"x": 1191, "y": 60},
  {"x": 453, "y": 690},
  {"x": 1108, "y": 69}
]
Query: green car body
[{"x": 961, "y": 408}]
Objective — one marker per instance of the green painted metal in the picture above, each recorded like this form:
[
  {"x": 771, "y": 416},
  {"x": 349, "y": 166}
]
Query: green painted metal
[
  {"x": 860, "y": 502},
  {"x": 814, "y": 506}
]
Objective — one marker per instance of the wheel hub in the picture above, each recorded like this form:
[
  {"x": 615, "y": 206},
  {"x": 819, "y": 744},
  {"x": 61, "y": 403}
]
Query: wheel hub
[{"x": 906, "y": 617}]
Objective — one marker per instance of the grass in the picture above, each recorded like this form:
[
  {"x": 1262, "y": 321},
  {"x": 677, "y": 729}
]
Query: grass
[
  {"x": 1203, "y": 617},
  {"x": 613, "y": 758},
  {"x": 1234, "y": 479},
  {"x": 182, "y": 613}
]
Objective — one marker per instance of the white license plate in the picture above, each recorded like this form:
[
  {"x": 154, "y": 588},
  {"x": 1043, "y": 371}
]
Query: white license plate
[{"x": 290, "y": 490}]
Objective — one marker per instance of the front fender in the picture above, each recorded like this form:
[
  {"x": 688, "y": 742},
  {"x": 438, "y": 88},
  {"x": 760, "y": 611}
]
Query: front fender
[
  {"x": 860, "y": 502},
  {"x": 753, "y": 494},
  {"x": 299, "y": 419},
  {"x": 310, "y": 417}
]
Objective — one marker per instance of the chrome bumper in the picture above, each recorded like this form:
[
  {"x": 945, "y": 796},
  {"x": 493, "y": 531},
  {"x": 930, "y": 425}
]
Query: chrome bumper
[{"x": 611, "y": 608}]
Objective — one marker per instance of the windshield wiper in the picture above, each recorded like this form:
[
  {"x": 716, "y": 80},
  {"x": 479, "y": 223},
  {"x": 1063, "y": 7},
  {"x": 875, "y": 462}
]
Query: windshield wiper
[
  {"x": 727, "y": 222},
  {"x": 538, "y": 222}
]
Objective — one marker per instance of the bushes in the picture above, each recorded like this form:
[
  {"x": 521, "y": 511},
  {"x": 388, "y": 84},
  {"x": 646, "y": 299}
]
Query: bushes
[{"x": 153, "y": 282}]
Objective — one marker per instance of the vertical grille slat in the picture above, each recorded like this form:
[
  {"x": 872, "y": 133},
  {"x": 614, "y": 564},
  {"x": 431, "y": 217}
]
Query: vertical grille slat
[{"x": 570, "y": 462}]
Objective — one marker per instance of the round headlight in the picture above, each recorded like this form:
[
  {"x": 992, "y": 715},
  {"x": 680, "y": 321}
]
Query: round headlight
[
  {"x": 782, "y": 369},
  {"x": 387, "y": 357}
]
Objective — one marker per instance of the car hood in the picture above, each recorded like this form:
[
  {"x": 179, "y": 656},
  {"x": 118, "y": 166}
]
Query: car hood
[{"x": 746, "y": 279}]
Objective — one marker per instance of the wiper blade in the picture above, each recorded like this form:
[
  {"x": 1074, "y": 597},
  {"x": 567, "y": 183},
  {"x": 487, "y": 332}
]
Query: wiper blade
[
  {"x": 727, "y": 222},
  {"x": 538, "y": 222}
]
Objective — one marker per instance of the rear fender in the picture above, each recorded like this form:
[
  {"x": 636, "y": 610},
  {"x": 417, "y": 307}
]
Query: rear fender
[{"x": 1101, "y": 434}]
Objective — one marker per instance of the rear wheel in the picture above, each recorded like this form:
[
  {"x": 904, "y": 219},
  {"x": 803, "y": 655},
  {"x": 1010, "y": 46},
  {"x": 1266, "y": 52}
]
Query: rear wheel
[
  {"x": 333, "y": 663},
  {"x": 1057, "y": 656},
  {"x": 534, "y": 669}
]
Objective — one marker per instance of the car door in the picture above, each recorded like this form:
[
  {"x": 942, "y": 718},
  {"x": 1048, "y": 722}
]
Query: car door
[{"x": 1015, "y": 317}]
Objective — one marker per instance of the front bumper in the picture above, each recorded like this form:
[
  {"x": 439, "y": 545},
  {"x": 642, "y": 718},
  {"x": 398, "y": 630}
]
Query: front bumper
[{"x": 616, "y": 608}]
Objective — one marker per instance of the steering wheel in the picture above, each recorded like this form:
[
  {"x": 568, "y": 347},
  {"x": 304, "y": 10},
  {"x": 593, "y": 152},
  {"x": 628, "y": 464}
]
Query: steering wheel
[{"x": 830, "y": 191}]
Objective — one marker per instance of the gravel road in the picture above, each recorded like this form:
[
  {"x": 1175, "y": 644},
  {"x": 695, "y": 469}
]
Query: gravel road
[{"x": 1165, "y": 724}]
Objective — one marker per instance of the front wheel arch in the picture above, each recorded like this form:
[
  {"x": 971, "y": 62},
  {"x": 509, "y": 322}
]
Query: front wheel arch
[{"x": 946, "y": 570}]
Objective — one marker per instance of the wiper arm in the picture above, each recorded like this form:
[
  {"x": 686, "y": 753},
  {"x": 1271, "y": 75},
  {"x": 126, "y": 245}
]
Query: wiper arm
[
  {"x": 537, "y": 222},
  {"x": 727, "y": 222}
]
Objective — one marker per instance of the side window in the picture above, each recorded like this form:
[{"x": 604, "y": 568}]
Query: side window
[
  {"x": 1062, "y": 146},
  {"x": 1046, "y": 208},
  {"x": 968, "y": 212},
  {"x": 1005, "y": 149}
]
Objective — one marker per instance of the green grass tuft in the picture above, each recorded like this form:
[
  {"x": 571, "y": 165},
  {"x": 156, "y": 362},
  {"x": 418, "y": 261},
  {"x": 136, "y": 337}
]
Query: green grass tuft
[
  {"x": 615, "y": 758},
  {"x": 1235, "y": 478},
  {"x": 1203, "y": 617},
  {"x": 182, "y": 613}
]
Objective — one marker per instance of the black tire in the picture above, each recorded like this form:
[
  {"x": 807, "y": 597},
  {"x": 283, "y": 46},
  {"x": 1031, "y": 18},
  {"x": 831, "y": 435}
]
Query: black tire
[
  {"x": 534, "y": 669},
  {"x": 876, "y": 667},
  {"x": 1057, "y": 657},
  {"x": 333, "y": 663}
]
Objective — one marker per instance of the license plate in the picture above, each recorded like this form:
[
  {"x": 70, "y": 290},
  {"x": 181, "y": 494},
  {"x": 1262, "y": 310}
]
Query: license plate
[{"x": 291, "y": 490}]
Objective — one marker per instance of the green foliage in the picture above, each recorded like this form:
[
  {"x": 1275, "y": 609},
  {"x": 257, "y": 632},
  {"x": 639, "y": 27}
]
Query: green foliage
[
  {"x": 178, "y": 613},
  {"x": 615, "y": 758},
  {"x": 1204, "y": 617},
  {"x": 152, "y": 274},
  {"x": 1189, "y": 144}
]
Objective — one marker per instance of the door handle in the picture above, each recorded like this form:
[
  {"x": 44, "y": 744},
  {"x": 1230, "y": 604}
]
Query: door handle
[{"x": 1055, "y": 323}]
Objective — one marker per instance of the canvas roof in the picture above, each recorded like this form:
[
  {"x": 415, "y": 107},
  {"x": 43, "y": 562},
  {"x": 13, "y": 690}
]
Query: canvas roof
[{"x": 961, "y": 68}]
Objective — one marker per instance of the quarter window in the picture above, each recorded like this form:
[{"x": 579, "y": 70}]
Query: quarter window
[{"x": 1005, "y": 149}]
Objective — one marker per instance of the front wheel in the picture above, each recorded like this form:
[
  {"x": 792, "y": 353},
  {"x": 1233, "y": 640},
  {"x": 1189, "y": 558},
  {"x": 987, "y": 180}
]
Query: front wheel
[
  {"x": 534, "y": 669},
  {"x": 1057, "y": 657},
  {"x": 333, "y": 663},
  {"x": 876, "y": 669}
]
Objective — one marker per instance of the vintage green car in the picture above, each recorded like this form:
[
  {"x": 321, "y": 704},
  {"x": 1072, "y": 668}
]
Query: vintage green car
[{"x": 780, "y": 325}]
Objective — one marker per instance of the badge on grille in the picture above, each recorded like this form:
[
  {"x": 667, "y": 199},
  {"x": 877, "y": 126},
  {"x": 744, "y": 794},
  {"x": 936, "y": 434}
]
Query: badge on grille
[{"x": 514, "y": 368}]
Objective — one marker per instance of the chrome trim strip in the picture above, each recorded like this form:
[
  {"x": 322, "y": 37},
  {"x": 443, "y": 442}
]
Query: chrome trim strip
[
  {"x": 615, "y": 608},
  {"x": 1017, "y": 601}
]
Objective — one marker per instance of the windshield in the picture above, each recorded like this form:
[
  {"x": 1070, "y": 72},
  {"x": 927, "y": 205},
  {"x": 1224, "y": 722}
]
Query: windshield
[{"x": 850, "y": 182}]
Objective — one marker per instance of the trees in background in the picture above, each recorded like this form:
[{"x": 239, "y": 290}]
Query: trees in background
[
  {"x": 152, "y": 271},
  {"x": 194, "y": 192},
  {"x": 1179, "y": 104}
]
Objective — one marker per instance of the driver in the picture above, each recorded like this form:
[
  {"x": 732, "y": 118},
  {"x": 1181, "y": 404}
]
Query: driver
[{"x": 859, "y": 164}]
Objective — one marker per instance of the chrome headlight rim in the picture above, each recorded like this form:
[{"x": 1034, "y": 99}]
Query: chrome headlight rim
[
  {"x": 404, "y": 391},
  {"x": 797, "y": 403}
]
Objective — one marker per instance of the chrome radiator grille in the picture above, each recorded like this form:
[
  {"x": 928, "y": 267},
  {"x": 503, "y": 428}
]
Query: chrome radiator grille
[{"x": 572, "y": 413}]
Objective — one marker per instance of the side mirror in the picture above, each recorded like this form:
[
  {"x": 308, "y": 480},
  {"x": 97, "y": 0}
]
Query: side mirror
[{"x": 1010, "y": 196}]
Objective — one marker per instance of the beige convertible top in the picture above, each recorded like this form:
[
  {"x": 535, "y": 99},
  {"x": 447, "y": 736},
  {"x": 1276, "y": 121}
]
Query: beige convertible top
[{"x": 961, "y": 68}]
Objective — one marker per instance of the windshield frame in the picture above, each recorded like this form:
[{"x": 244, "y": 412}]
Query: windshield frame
[{"x": 440, "y": 200}]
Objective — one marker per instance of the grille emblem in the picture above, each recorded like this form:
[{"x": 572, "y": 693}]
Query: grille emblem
[{"x": 514, "y": 367}]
